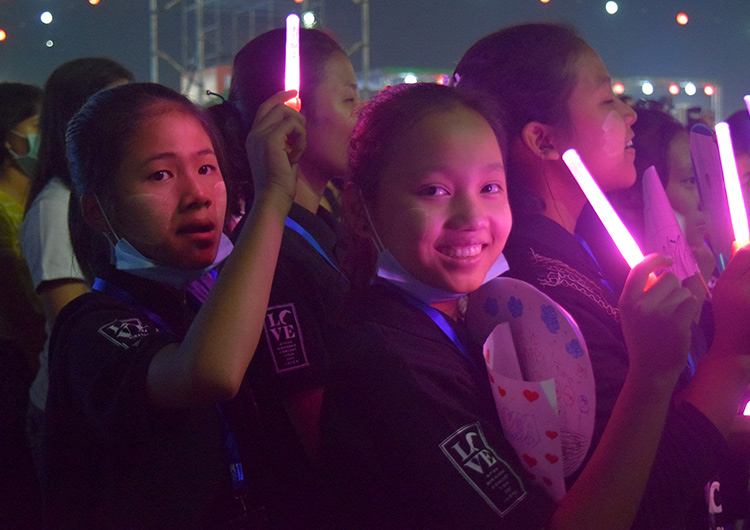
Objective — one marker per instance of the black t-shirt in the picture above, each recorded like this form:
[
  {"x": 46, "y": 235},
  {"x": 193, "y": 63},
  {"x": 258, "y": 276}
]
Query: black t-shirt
[
  {"x": 411, "y": 435},
  {"x": 306, "y": 296},
  {"x": 112, "y": 459}
]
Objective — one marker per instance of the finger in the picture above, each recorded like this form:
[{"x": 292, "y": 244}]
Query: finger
[
  {"x": 271, "y": 103},
  {"x": 688, "y": 309},
  {"x": 638, "y": 276},
  {"x": 739, "y": 264}
]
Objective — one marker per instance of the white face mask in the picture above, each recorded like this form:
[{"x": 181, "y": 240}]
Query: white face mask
[
  {"x": 127, "y": 258},
  {"x": 389, "y": 269},
  {"x": 28, "y": 161}
]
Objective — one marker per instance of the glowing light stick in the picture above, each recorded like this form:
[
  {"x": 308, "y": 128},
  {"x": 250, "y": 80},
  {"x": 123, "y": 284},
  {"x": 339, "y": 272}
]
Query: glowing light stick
[
  {"x": 609, "y": 218},
  {"x": 291, "y": 69},
  {"x": 737, "y": 210},
  {"x": 747, "y": 102}
]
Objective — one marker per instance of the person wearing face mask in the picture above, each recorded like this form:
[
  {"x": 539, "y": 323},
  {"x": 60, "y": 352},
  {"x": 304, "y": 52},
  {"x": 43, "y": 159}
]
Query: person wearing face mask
[
  {"x": 20, "y": 105},
  {"x": 21, "y": 316}
]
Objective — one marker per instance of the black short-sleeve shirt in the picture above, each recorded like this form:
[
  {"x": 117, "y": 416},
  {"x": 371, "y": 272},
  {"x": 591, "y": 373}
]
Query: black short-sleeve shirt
[
  {"x": 112, "y": 459},
  {"x": 411, "y": 435}
]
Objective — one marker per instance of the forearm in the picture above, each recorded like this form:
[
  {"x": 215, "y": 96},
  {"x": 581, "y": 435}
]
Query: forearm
[
  {"x": 210, "y": 362},
  {"x": 609, "y": 490}
]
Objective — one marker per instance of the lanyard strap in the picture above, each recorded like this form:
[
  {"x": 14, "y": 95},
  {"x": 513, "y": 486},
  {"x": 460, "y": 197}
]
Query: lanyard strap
[
  {"x": 434, "y": 315},
  {"x": 599, "y": 271},
  {"x": 117, "y": 292},
  {"x": 294, "y": 225},
  {"x": 230, "y": 441}
]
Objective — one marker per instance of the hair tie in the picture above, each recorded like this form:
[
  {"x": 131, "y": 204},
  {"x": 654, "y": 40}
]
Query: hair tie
[{"x": 209, "y": 93}]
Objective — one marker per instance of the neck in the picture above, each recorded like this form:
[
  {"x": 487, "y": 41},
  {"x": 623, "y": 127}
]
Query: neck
[
  {"x": 309, "y": 191},
  {"x": 562, "y": 196},
  {"x": 449, "y": 307},
  {"x": 14, "y": 182}
]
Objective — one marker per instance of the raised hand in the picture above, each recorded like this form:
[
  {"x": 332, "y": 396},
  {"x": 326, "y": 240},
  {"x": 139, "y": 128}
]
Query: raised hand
[
  {"x": 274, "y": 145},
  {"x": 656, "y": 322}
]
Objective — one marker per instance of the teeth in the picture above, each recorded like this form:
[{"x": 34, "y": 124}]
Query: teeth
[
  {"x": 629, "y": 144},
  {"x": 462, "y": 252}
]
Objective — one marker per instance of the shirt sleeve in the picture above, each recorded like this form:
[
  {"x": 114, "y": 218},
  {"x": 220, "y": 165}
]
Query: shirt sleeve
[
  {"x": 99, "y": 362},
  {"x": 45, "y": 240}
]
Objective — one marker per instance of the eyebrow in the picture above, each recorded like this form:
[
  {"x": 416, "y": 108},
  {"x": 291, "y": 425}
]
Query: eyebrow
[{"x": 171, "y": 154}]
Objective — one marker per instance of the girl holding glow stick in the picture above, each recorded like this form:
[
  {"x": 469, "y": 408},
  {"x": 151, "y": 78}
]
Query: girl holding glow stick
[
  {"x": 136, "y": 370},
  {"x": 410, "y": 429},
  {"x": 557, "y": 95},
  {"x": 287, "y": 373}
]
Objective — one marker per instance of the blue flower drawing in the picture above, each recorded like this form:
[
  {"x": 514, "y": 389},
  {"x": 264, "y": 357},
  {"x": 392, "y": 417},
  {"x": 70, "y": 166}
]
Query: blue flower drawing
[
  {"x": 515, "y": 306},
  {"x": 490, "y": 307},
  {"x": 549, "y": 317},
  {"x": 574, "y": 348}
]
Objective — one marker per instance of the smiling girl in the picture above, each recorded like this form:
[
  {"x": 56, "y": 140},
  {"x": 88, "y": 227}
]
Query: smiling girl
[
  {"x": 411, "y": 434},
  {"x": 557, "y": 94},
  {"x": 136, "y": 369}
]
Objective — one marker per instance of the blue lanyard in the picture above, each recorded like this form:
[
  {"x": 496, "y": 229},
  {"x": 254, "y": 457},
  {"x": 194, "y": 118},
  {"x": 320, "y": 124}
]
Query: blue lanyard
[
  {"x": 230, "y": 441},
  {"x": 294, "y": 225},
  {"x": 434, "y": 315},
  {"x": 599, "y": 271}
]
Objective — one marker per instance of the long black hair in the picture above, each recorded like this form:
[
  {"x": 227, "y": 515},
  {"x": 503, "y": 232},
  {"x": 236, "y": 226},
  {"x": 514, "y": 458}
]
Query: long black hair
[
  {"x": 258, "y": 74},
  {"x": 65, "y": 91}
]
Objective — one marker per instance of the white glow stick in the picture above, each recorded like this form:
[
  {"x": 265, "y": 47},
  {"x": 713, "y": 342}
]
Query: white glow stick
[
  {"x": 617, "y": 231},
  {"x": 291, "y": 68},
  {"x": 747, "y": 102},
  {"x": 732, "y": 185}
]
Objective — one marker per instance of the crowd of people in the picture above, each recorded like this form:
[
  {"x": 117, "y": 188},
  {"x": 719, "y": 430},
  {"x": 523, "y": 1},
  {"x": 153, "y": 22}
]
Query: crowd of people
[{"x": 247, "y": 316}]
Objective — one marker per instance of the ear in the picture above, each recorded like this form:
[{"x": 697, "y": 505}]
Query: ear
[
  {"x": 92, "y": 213},
  {"x": 354, "y": 211},
  {"x": 537, "y": 137}
]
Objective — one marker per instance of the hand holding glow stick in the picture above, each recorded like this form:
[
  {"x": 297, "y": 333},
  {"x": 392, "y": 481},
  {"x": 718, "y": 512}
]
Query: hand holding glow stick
[
  {"x": 737, "y": 210},
  {"x": 611, "y": 221},
  {"x": 291, "y": 69}
]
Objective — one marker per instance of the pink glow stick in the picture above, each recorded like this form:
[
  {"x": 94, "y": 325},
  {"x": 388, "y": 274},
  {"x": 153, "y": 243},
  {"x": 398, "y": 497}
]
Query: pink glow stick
[
  {"x": 609, "y": 218},
  {"x": 737, "y": 210},
  {"x": 291, "y": 68},
  {"x": 617, "y": 231},
  {"x": 747, "y": 102}
]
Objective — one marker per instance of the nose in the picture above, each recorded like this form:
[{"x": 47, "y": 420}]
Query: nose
[
  {"x": 195, "y": 192},
  {"x": 628, "y": 114},
  {"x": 467, "y": 213}
]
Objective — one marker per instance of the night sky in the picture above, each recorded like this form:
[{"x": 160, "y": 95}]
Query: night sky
[{"x": 642, "y": 38}]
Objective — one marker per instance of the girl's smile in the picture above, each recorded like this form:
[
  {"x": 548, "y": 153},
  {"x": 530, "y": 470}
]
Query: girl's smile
[{"x": 441, "y": 206}]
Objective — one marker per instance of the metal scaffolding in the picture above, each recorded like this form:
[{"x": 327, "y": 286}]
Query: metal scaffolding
[{"x": 211, "y": 32}]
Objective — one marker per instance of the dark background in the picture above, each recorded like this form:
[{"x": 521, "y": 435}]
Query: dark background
[{"x": 642, "y": 38}]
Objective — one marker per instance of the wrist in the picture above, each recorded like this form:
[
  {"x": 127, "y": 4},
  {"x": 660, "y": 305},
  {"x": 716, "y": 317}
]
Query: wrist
[{"x": 273, "y": 198}]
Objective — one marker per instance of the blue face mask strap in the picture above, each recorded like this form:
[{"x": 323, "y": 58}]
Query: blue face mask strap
[
  {"x": 231, "y": 446},
  {"x": 294, "y": 225}
]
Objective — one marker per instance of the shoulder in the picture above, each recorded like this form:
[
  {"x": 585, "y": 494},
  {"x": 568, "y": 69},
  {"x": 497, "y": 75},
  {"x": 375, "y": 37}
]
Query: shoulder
[{"x": 95, "y": 326}]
